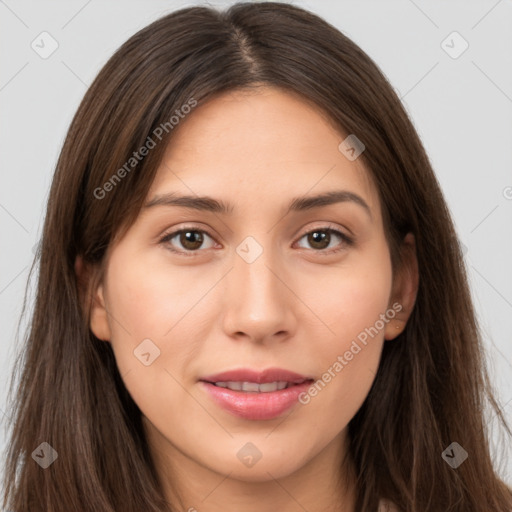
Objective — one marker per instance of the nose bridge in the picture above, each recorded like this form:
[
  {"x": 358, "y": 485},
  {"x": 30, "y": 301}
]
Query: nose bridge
[{"x": 257, "y": 301}]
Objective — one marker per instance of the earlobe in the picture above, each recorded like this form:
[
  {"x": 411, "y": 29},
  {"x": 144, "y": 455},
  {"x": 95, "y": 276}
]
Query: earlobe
[
  {"x": 405, "y": 288},
  {"x": 92, "y": 292}
]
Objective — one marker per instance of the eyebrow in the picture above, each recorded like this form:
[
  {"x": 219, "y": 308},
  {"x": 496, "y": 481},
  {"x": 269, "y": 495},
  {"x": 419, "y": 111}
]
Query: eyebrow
[{"x": 298, "y": 204}]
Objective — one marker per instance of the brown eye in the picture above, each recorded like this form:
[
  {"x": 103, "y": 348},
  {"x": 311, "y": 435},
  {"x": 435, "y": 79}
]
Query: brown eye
[
  {"x": 320, "y": 239},
  {"x": 188, "y": 240},
  {"x": 191, "y": 240}
]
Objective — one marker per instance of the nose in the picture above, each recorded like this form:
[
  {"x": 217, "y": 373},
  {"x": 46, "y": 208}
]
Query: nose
[{"x": 258, "y": 302}]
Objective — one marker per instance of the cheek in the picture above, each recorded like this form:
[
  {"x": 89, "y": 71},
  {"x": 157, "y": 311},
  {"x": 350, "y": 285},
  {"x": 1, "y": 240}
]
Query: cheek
[
  {"x": 148, "y": 306},
  {"x": 150, "y": 296},
  {"x": 148, "y": 302},
  {"x": 150, "y": 299},
  {"x": 353, "y": 295},
  {"x": 353, "y": 303}
]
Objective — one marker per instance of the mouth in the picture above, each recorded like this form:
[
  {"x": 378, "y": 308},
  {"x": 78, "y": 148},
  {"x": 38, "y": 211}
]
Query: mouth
[
  {"x": 254, "y": 395},
  {"x": 250, "y": 377},
  {"x": 254, "y": 387}
]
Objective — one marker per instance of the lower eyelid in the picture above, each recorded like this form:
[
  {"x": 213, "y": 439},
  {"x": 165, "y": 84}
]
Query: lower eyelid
[
  {"x": 346, "y": 240},
  {"x": 169, "y": 236}
]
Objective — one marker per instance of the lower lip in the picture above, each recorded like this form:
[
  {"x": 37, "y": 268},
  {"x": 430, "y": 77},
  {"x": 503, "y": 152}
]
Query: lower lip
[{"x": 256, "y": 406}]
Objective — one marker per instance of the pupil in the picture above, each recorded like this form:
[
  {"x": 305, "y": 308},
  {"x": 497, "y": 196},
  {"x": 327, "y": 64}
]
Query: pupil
[
  {"x": 191, "y": 239},
  {"x": 319, "y": 237}
]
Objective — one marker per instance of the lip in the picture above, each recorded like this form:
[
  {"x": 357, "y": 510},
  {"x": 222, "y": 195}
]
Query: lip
[
  {"x": 256, "y": 406},
  {"x": 260, "y": 377}
]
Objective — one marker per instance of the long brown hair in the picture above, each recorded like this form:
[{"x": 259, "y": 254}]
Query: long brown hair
[{"x": 431, "y": 387}]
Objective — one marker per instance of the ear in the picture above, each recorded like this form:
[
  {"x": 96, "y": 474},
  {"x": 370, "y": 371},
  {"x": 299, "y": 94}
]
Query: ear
[
  {"x": 91, "y": 289},
  {"x": 405, "y": 288}
]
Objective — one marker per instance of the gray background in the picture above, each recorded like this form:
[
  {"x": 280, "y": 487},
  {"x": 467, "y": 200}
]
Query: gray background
[{"x": 460, "y": 106}]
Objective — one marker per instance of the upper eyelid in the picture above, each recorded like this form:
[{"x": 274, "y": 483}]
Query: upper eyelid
[
  {"x": 177, "y": 231},
  {"x": 324, "y": 227}
]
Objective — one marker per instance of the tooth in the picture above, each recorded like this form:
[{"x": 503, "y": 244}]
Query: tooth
[
  {"x": 268, "y": 386},
  {"x": 254, "y": 387},
  {"x": 250, "y": 386}
]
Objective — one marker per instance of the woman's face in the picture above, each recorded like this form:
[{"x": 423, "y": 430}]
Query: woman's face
[{"x": 261, "y": 286}]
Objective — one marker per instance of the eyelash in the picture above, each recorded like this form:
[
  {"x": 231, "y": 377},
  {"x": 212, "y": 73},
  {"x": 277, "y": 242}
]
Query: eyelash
[{"x": 346, "y": 240}]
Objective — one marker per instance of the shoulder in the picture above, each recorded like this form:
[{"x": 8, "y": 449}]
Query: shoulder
[{"x": 387, "y": 506}]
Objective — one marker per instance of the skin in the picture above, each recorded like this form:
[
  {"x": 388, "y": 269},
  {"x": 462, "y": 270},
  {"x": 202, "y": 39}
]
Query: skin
[{"x": 293, "y": 307}]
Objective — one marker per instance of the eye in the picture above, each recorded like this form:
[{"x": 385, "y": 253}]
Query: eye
[
  {"x": 191, "y": 240},
  {"x": 321, "y": 238}
]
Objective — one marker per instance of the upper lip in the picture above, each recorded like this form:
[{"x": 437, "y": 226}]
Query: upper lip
[{"x": 258, "y": 376}]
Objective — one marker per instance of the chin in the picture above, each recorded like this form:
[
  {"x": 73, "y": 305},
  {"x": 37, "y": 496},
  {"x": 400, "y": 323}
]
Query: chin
[{"x": 250, "y": 464}]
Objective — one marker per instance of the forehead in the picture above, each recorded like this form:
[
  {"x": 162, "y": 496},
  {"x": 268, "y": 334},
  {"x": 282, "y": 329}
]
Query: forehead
[{"x": 264, "y": 143}]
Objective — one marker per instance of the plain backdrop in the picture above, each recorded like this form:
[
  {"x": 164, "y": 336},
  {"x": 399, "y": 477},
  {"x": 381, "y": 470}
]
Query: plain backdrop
[{"x": 457, "y": 88}]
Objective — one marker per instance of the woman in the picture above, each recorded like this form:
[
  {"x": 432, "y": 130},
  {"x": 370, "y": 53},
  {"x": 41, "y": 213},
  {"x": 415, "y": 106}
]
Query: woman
[{"x": 251, "y": 295}]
